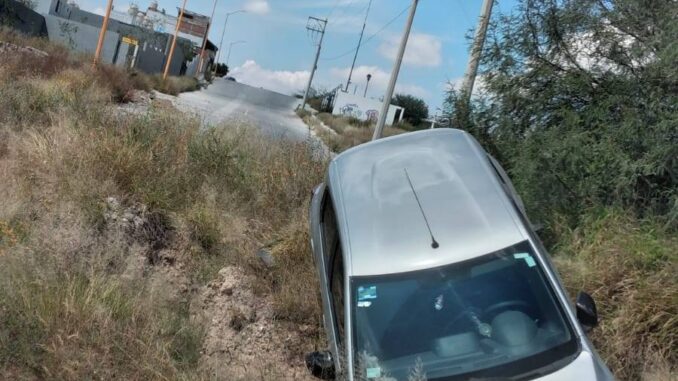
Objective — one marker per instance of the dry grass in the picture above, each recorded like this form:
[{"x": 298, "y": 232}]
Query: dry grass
[
  {"x": 78, "y": 292},
  {"x": 629, "y": 267},
  {"x": 173, "y": 85},
  {"x": 349, "y": 132},
  {"x": 297, "y": 297}
]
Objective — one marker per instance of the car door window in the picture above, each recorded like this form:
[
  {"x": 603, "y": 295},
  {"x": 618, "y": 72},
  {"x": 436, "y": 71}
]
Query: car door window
[
  {"x": 334, "y": 264},
  {"x": 330, "y": 234}
]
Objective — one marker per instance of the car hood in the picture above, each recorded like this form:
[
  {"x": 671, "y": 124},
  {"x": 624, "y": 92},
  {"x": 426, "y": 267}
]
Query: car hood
[{"x": 584, "y": 367}]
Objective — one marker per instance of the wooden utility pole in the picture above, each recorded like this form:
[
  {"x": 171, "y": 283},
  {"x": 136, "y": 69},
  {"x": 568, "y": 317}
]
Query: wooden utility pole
[
  {"x": 315, "y": 25},
  {"x": 204, "y": 43},
  {"x": 394, "y": 74},
  {"x": 478, "y": 42},
  {"x": 102, "y": 33},
  {"x": 174, "y": 41}
]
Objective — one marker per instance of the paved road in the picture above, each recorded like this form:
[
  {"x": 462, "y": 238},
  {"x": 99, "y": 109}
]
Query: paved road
[{"x": 227, "y": 101}]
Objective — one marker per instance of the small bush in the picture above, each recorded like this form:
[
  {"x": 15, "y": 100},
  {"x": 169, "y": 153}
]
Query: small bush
[
  {"x": 174, "y": 85},
  {"x": 119, "y": 82}
]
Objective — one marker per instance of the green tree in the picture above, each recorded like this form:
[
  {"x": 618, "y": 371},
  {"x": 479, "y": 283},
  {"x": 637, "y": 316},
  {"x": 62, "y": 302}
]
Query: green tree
[
  {"x": 416, "y": 109},
  {"x": 222, "y": 70},
  {"x": 580, "y": 104}
]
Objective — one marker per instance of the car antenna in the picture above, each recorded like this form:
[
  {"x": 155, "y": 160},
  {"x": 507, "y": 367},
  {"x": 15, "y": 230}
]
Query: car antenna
[{"x": 434, "y": 243}]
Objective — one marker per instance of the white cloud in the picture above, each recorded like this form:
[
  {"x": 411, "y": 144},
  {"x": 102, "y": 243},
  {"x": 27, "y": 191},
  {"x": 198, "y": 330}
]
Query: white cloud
[
  {"x": 422, "y": 50},
  {"x": 257, "y": 6},
  {"x": 378, "y": 82},
  {"x": 116, "y": 8},
  {"x": 282, "y": 81}
]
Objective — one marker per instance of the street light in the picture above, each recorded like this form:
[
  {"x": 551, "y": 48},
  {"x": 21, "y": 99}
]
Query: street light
[
  {"x": 228, "y": 57},
  {"x": 369, "y": 76},
  {"x": 221, "y": 44}
]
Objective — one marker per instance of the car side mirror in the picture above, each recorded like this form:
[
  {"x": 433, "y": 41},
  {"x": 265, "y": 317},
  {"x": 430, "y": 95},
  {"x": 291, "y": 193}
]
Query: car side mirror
[
  {"x": 537, "y": 227},
  {"x": 587, "y": 314},
  {"x": 321, "y": 365}
]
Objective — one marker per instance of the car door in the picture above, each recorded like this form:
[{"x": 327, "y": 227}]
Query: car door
[{"x": 330, "y": 268}]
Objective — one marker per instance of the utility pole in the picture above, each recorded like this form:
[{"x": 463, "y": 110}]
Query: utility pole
[
  {"x": 369, "y": 76},
  {"x": 102, "y": 33},
  {"x": 476, "y": 50},
  {"x": 223, "y": 32},
  {"x": 174, "y": 42},
  {"x": 315, "y": 26},
  {"x": 394, "y": 74},
  {"x": 204, "y": 42},
  {"x": 357, "y": 49}
]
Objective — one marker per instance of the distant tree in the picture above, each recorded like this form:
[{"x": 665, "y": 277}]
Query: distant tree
[
  {"x": 416, "y": 109},
  {"x": 222, "y": 70}
]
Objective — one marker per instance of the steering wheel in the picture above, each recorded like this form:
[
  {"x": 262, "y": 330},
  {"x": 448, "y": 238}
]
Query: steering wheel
[
  {"x": 506, "y": 305},
  {"x": 449, "y": 324}
]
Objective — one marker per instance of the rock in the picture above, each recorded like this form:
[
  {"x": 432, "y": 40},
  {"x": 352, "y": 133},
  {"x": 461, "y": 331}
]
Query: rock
[{"x": 265, "y": 255}]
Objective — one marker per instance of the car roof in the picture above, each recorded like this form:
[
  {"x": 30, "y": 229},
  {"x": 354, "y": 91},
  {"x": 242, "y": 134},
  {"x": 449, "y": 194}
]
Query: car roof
[{"x": 382, "y": 227}]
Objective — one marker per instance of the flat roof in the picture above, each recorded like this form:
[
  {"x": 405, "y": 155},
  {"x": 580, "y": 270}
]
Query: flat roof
[{"x": 382, "y": 227}]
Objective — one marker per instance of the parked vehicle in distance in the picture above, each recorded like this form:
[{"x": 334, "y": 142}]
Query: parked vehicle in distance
[
  {"x": 427, "y": 262},
  {"x": 229, "y": 78}
]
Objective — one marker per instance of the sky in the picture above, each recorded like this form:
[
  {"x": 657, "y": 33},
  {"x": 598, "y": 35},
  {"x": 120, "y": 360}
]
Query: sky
[{"x": 278, "y": 52}]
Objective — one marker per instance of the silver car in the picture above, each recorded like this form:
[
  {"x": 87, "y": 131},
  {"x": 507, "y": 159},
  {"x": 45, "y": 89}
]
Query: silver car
[{"x": 430, "y": 269}]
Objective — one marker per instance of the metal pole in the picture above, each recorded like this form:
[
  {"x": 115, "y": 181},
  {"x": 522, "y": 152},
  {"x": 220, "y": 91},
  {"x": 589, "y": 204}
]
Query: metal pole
[
  {"x": 204, "y": 42},
  {"x": 102, "y": 33},
  {"x": 315, "y": 62},
  {"x": 360, "y": 41},
  {"x": 394, "y": 74},
  {"x": 478, "y": 42},
  {"x": 223, "y": 32},
  {"x": 369, "y": 76},
  {"x": 174, "y": 42},
  {"x": 221, "y": 43},
  {"x": 228, "y": 57}
]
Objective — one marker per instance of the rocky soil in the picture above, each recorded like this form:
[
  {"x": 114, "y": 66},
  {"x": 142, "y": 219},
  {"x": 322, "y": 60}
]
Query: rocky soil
[{"x": 243, "y": 340}]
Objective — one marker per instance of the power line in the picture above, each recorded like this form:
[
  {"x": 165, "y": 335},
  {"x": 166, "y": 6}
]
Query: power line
[
  {"x": 360, "y": 41},
  {"x": 343, "y": 8},
  {"x": 336, "y": 3},
  {"x": 368, "y": 39},
  {"x": 344, "y": 12}
]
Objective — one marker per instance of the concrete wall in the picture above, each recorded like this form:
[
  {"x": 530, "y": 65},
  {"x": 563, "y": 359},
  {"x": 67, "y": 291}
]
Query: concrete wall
[
  {"x": 346, "y": 104},
  {"x": 153, "y": 46},
  {"x": 81, "y": 37}
]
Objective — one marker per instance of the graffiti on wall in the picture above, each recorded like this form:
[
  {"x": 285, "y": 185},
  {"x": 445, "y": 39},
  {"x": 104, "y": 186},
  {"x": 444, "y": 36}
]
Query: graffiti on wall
[
  {"x": 351, "y": 110},
  {"x": 365, "y": 109},
  {"x": 372, "y": 115}
]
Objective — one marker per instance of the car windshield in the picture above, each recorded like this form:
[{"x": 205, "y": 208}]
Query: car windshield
[{"x": 493, "y": 316}]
